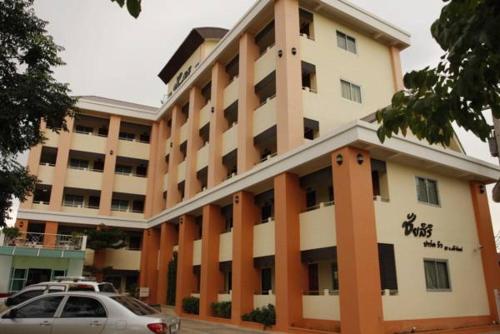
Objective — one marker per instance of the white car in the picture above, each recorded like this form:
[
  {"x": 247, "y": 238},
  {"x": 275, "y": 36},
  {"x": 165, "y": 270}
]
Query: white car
[
  {"x": 60, "y": 285},
  {"x": 86, "y": 313}
]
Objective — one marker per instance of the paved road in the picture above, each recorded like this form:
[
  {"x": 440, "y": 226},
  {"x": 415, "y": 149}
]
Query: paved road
[{"x": 200, "y": 327}]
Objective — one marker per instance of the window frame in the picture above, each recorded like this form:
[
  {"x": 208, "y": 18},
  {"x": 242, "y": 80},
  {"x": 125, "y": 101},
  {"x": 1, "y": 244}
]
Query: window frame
[
  {"x": 73, "y": 203},
  {"x": 61, "y": 315},
  {"x": 342, "y": 80},
  {"x": 426, "y": 180},
  {"x": 346, "y": 38},
  {"x": 120, "y": 202},
  {"x": 435, "y": 262}
]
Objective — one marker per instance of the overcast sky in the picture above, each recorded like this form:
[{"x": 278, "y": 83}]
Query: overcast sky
[{"x": 111, "y": 54}]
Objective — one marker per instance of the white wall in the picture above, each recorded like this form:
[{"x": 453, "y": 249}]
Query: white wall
[{"x": 5, "y": 268}]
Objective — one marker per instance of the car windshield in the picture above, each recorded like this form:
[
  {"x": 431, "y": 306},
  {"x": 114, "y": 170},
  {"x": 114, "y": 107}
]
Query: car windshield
[
  {"x": 106, "y": 287},
  {"x": 135, "y": 306}
]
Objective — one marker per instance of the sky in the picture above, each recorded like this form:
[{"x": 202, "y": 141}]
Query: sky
[{"x": 109, "y": 53}]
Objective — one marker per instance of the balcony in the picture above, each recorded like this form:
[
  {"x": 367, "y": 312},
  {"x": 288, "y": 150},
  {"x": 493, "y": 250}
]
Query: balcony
[
  {"x": 168, "y": 145},
  {"x": 263, "y": 240},
  {"x": 231, "y": 93},
  {"x": 308, "y": 50},
  {"x": 230, "y": 140},
  {"x": 183, "y": 136},
  {"x": 130, "y": 184},
  {"x": 205, "y": 113},
  {"x": 197, "y": 253},
  {"x": 44, "y": 245},
  {"x": 165, "y": 182},
  {"x": 119, "y": 259},
  {"x": 86, "y": 142},
  {"x": 224, "y": 297},
  {"x": 52, "y": 138},
  {"x": 83, "y": 178},
  {"x": 313, "y": 108},
  {"x": 264, "y": 116},
  {"x": 81, "y": 209},
  {"x": 181, "y": 172},
  {"x": 40, "y": 205},
  {"x": 202, "y": 160},
  {"x": 317, "y": 227},
  {"x": 265, "y": 64},
  {"x": 133, "y": 149},
  {"x": 128, "y": 214},
  {"x": 323, "y": 307},
  {"x": 264, "y": 300},
  {"x": 46, "y": 173},
  {"x": 226, "y": 247}
]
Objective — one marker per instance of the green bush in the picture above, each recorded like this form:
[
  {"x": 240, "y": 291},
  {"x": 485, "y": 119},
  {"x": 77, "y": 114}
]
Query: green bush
[
  {"x": 265, "y": 315},
  {"x": 191, "y": 305},
  {"x": 222, "y": 309}
]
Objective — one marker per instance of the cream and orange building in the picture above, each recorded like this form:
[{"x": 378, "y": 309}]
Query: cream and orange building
[{"x": 263, "y": 173}]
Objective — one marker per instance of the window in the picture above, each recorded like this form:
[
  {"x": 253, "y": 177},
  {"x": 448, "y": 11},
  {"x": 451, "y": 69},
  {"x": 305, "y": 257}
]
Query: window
[
  {"x": 346, "y": 42},
  {"x": 122, "y": 169},
  {"x": 266, "y": 279},
  {"x": 436, "y": 275},
  {"x": 84, "y": 129},
  {"x": 57, "y": 273},
  {"x": 106, "y": 287},
  {"x": 119, "y": 205},
  {"x": 79, "y": 164},
  {"x": 135, "y": 306},
  {"x": 24, "y": 296},
  {"x": 427, "y": 191},
  {"x": 94, "y": 202},
  {"x": 83, "y": 307},
  {"x": 81, "y": 287},
  {"x": 126, "y": 136},
  {"x": 18, "y": 280},
  {"x": 310, "y": 199},
  {"x": 138, "y": 206},
  {"x": 74, "y": 201},
  {"x": 40, "y": 308},
  {"x": 57, "y": 288},
  {"x": 335, "y": 277},
  {"x": 350, "y": 91}
]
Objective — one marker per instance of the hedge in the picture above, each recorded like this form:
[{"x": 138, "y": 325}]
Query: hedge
[
  {"x": 191, "y": 305},
  {"x": 265, "y": 315}
]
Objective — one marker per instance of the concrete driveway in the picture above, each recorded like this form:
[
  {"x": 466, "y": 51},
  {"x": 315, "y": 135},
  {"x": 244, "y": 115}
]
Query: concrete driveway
[{"x": 189, "y": 326}]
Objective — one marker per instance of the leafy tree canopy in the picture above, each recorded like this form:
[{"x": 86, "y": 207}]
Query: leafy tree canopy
[
  {"x": 465, "y": 83},
  {"x": 106, "y": 238},
  {"x": 133, "y": 6},
  {"x": 28, "y": 94}
]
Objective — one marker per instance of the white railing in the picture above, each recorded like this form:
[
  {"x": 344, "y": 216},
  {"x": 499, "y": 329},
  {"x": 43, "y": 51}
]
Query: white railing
[{"x": 45, "y": 240}]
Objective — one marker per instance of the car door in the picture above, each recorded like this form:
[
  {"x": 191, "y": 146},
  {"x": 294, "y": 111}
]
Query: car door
[
  {"x": 35, "y": 317},
  {"x": 81, "y": 315}
]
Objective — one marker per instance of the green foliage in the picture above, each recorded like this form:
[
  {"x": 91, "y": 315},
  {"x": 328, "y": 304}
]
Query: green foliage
[
  {"x": 221, "y": 309},
  {"x": 265, "y": 315},
  {"x": 464, "y": 83},
  {"x": 133, "y": 6},
  {"x": 28, "y": 94},
  {"x": 172, "y": 280},
  {"x": 11, "y": 232},
  {"x": 105, "y": 238},
  {"x": 191, "y": 305}
]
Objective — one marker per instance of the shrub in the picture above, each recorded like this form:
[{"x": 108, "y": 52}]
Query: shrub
[
  {"x": 265, "y": 315},
  {"x": 191, "y": 305},
  {"x": 222, "y": 309}
]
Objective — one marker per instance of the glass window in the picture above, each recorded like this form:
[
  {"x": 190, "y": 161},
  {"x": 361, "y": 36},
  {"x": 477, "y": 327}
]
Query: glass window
[
  {"x": 135, "y": 306},
  {"x": 24, "y": 296},
  {"x": 81, "y": 287},
  {"x": 58, "y": 273},
  {"x": 350, "y": 91},
  {"x": 73, "y": 200},
  {"x": 351, "y": 44},
  {"x": 346, "y": 42},
  {"x": 40, "y": 308},
  {"x": 84, "y": 129},
  {"x": 18, "y": 279},
  {"x": 119, "y": 205},
  {"x": 341, "y": 41},
  {"x": 83, "y": 307},
  {"x": 436, "y": 275},
  {"x": 122, "y": 169},
  {"x": 266, "y": 280},
  {"x": 107, "y": 287},
  {"x": 127, "y": 136},
  {"x": 427, "y": 191},
  {"x": 79, "y": 164}
]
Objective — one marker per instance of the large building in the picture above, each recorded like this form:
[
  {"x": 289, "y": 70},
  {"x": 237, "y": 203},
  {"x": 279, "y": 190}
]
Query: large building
[{"x": 263, "y": 177}]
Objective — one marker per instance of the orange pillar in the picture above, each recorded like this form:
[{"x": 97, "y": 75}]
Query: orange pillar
[
  {"x": 173, "y": 195},
  {"x": 289, "y": 109},
  {"x": 22, "y": 226},
  {"x": 185, "y": 276},
  {"x": 357, "y": 251},
  {"x": 99, "y": 264},
  {"x": 143, "y": 274},
  {"x": 487, "y": 240},
  {"x": 50, "y": 238},
  {"x": 63, "y": 147},
  {"x": 289, "y": 271},
  {"x": 168, "y": 239},
  {"x": 194, "y": 142},
  {"x": 161, "y": 167},
  {"x": 218, "y": 124},
  {"x": 109, "y": 166},
  {"x": 397, "y": 72},
  {"x": 212, "y": 279},
  {"x": 247, "y": 103},
  {"x": 33, "y": 166},
  {"x": 153, "y": 176},
  {"x": 152, "y": 263},
  {"x": 245, "y": 276}
]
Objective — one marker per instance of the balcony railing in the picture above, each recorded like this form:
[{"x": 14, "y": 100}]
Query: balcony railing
[{"x": 45, "y": 241}]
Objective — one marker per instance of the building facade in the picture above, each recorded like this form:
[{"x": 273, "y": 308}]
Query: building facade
[{"x": 263, "y": 177}]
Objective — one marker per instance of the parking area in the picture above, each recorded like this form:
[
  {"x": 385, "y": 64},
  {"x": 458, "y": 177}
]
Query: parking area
[{"x": 189, "y": 326}]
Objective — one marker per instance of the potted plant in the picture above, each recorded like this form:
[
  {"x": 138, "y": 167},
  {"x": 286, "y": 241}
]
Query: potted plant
[{"x": 11, "y": 233}]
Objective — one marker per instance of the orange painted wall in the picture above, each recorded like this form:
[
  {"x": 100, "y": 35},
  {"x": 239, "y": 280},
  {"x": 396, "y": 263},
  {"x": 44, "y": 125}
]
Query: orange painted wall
[
  {"x": 444, "y": 324},
  {"x": 290, "y": 273},
  {"x": 161, "y": 167},
  {"x": 153, "y": 175},
  {"x": 149, "y": 263},
  {"x": 99, "y": 261},
  {"x": 109, "y": 166},
  {"x": 357, "y": 252},
  {"x": 194, "y": 142},
  {"x": 173, "y": 195},
  {"x": 185, "y": 276},
  {"x": 212, "y": 280},
  {"x": 168, "y": 240},
  {"x": 49, "y": 239},
  {"x": 245, "y": 277}
]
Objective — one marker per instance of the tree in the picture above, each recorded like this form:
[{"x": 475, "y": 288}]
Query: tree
[
  {"x": 464, "y": 84},
  {"x": 28, "y": 95},
  {"x": 133, "y": 6}
]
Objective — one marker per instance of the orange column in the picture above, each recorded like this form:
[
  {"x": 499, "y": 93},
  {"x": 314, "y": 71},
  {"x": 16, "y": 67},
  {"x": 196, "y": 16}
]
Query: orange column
[
  {"x": 245, "y": 276},
  {"x": 173, "y": 195},
  {"x": 33, "y": 166},
  {"x": 143, "y": 274},
  {"x": 289, "y": 271},
  {"x": 289, "y": 109},
  {"x": 218, "y": 124},
  {"x": 168, "y": 239},
  {"x": 185, "y": 276},
  {"x": 212, "y": 279},
  {"x": 357, "y": 251},
  {"x": 247, "y": 103},
  {"x": 487, "y": 241},
  {"x": 99, "y": 264},
  {"x": 63, "y": 148},
  {"x": 161, "y": 167},
  {"x": 153, "y": 165},
  {"x": 149, "y": 263},
  {"x": 109, "y": 166},
  {"x": 194, "y": 142},
  {"x": 397, "y": 72},
  {"x": 50, "y": 238},
  {"x": 22, "y": 226}
]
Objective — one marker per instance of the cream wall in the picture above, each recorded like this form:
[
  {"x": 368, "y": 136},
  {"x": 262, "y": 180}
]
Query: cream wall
[
  {"x": 454, "y": 224},
  {"x": 370, "y": 68}
]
